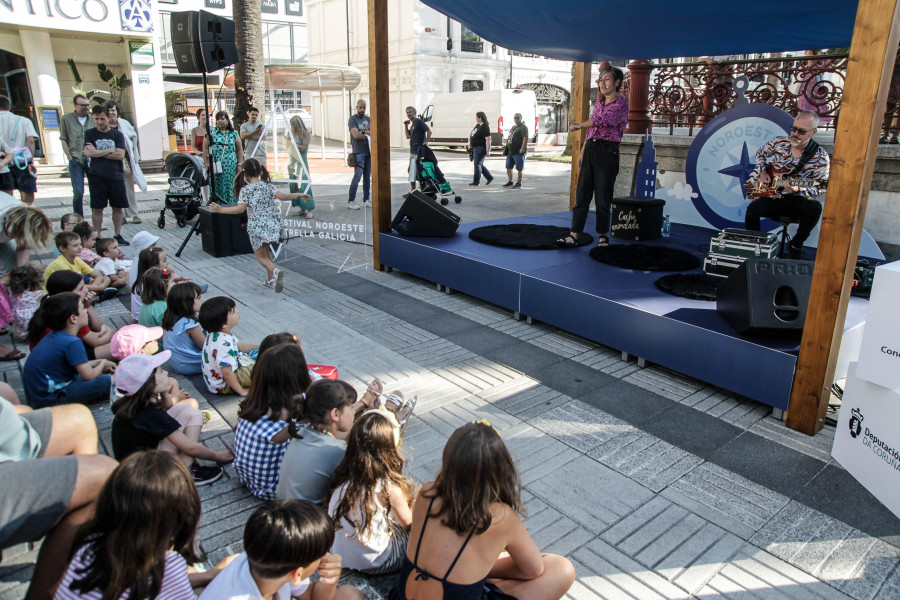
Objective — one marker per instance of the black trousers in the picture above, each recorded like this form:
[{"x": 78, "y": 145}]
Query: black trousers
[
  {"x": 803, "y": 210},
  {"x": 596, "y": 180}
]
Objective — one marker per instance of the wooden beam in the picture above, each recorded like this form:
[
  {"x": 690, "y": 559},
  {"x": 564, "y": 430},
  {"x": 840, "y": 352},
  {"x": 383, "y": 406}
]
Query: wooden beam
[
  {"x": 872, "y": 54},
  {"x": 379, "y": 116},
  {"x": 581, "y": 110}
]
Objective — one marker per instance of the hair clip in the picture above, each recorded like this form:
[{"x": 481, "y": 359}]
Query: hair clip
[
  {"x": 296, "y": 339},
  {"x": 486, "y": 423}
]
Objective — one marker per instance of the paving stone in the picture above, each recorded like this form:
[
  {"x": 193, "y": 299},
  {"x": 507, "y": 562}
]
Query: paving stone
[
  {"x": 579, "y": 425},
  {"x": 524, "y": 397},
  {"x": 732, "y": 502},
  {"x": 644, "y": 458}
]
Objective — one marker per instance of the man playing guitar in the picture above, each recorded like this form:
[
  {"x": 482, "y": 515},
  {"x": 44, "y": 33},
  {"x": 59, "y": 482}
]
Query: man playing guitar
[{"x": 790, "y": 173}]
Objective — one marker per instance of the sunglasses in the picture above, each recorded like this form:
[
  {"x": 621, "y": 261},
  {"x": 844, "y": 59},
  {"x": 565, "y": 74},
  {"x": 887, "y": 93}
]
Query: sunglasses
[{"x": 799, "y": 130}]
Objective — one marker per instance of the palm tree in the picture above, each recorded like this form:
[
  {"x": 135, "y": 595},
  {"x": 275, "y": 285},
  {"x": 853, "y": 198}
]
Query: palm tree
[{"x": 249, "y": 74}]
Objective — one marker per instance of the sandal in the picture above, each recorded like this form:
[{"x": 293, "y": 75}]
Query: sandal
[
  {"x": 374, "y": 390},
  {"x": 396, "y": 398},
  {"x": 570, "y": 241},
  {"x": 602, "y": 241},
  {"x": 406, "y": 412},
  {"x": 12, "y": 355}
]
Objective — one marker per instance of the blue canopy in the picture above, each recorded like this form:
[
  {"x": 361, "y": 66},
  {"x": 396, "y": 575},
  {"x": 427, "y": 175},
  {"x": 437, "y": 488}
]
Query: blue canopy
[{"x": 594, "y": 30}]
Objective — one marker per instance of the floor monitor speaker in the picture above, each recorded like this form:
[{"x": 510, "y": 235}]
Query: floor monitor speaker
[
  {"x": 224, "y": 235},
  {"x": 421, "y": 216},
  {"x": 766, "y": 296}
]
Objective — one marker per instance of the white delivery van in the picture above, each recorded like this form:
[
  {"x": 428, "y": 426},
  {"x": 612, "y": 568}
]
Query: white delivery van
[{"x": 452, "y": 116}]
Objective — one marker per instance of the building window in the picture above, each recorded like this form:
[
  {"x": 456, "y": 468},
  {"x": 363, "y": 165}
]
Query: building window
[
  {"x": 285, "y": 43},
  {"x": 472, "y": 85},
  {"x": 471, "y": 41},
  {"x": 166, "y": 55}
]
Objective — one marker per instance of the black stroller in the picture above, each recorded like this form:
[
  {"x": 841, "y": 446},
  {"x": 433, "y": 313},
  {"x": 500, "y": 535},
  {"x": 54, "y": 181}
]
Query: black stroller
[
  {"x": 431, "y": 179},
  {"x": 186, "y": 177}
]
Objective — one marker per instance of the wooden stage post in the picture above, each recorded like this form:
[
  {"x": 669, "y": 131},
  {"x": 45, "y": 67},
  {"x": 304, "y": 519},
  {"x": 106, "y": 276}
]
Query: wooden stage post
[
  {"x": 581, "y": 110},
  {"x": 872, "y": 55},
  {"x": 379, "y": 115}
]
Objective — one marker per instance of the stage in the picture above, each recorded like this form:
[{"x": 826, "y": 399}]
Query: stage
[{"x": 619, "y": 308}]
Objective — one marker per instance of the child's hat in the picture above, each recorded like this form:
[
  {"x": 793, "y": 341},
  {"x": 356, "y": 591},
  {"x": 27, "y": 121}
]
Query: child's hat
[
  {"x": 131, "y": 339},
  {"x": 135, "y": 369},
  {"x": 143, "y": 240}
]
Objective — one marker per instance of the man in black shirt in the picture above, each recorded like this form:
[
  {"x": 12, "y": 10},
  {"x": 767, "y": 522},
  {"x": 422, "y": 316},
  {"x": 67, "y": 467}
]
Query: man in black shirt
[
  {"x": 418, "y": 134},
  {"x": 104, "y": 148}
]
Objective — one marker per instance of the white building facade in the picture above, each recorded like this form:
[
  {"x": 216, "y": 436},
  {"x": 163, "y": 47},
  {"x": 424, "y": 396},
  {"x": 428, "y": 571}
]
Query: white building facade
[{"x": 429, "y": 53}]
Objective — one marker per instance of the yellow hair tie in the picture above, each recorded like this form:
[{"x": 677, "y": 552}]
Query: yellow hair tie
[{"x": 486, "y": 423}]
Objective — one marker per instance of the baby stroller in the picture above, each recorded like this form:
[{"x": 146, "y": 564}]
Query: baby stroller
[
  {"x": 183, "y": 198},
  {"x": 431, "y": 180}
]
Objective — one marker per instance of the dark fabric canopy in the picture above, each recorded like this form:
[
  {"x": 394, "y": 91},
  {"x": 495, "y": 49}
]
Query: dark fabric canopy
[{"x": 594, "y": 30}]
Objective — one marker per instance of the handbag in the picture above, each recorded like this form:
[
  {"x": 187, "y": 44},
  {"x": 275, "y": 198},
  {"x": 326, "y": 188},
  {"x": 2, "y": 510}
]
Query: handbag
[{"x": 351, "y": 159}]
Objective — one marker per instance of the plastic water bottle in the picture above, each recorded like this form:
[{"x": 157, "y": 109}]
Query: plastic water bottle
[{"x": 667, "y": 226}]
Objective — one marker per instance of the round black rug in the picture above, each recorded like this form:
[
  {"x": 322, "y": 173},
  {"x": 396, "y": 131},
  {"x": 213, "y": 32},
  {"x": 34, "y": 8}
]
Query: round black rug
[
  {"x": 525, "y": 235},
  {"x": 696, "y": 286},
  {"x": 642, "y": 257}
]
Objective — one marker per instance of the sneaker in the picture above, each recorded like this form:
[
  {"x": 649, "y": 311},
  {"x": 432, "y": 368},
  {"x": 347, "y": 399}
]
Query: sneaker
[
  {"x": 367, "y": 203},
  {"x": 107, "y": 294},
  {"x": 136, "y": 220},
  {"x": 279, "y": 281},
  {"x": 353, "y": 206},
  {"x": 517, "y": 186},
  {"x": 508, "y": 184},
  {"x": 473, "y": 183},
  {"x": 122, "y": 241},
  {"x": 205, "y": 475},
  {"x": 489, "y": 180}
]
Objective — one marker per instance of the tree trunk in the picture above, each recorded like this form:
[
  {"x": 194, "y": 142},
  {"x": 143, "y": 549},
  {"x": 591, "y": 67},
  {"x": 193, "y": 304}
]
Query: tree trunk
[{"x": 249, "y": 73}]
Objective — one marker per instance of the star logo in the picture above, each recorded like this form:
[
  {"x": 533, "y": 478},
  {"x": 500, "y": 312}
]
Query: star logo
[{"x": 741, "y": 170}]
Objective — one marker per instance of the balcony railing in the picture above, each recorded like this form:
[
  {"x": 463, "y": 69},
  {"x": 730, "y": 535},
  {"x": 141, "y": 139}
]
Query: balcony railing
[{"x": 471, "y": 46}]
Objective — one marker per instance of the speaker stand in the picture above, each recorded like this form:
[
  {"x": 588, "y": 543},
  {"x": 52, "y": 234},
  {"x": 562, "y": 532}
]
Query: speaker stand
[{"x": 212, "y": 175}]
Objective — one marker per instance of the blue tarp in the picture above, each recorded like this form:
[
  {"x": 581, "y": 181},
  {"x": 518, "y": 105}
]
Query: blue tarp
[{"x": 597, "y": 30}]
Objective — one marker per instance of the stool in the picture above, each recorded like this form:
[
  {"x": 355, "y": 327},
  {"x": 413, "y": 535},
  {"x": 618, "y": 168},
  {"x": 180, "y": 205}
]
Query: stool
[{"x": 784, "y": 238}]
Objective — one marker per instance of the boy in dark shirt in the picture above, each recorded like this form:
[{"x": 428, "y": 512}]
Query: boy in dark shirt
[
  {"x": 58, "y": 370},
  {"x": 104, "y": 147}
]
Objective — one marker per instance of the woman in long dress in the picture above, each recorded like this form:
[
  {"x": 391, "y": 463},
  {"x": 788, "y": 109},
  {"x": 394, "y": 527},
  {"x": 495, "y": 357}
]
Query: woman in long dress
[
  {"x": 297, "y": 138},
  {"x": 227, "y": 153}
]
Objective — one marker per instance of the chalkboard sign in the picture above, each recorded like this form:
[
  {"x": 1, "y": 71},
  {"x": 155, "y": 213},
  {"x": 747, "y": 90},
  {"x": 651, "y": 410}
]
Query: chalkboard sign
[
  {"x": 50, "y": 117},
  {"x": 635, "y": 218}
]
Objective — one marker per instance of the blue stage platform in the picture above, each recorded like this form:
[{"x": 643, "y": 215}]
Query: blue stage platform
[{"x": 618, "y": 308}]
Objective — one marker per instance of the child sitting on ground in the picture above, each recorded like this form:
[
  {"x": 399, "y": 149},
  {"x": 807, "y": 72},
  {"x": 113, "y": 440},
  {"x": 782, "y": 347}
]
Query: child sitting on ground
[
  {"x": 66, "y": 223},
  {"x": 137, "y": 339},
  {"x": 182, "y": 333},
  {"x": 112, "y": 262},
  {"x": 58, "y": 370},
  {"x": 284, "y": 544},
  {"x": 88, "y": 237},
  {"x": 143, "y": 536},
  {"x": 154, "y": 290},
  {"x": 147, "y": 259},
  {"x": 69, "y": 244},
  {"x": 145, "y": 420},
  {"x": 261, "y": 437},
  {"x": 26, "y": 287},
  {"x": 227, "y": 364},
  {"x": 371, "y": 499}
]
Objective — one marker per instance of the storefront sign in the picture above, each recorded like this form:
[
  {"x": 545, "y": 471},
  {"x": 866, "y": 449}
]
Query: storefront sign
[
  {"x": 50, "y": 117},
  {"x": 141, "y": 53},
  {"x": 293, "y": 8},
  {"x": 92, "y": 16},
  {"x": 215, "y": 3},
  {"x": 270, "y": 6}
]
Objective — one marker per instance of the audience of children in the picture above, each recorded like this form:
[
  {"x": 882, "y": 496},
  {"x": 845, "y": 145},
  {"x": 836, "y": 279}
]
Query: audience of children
[
  {"x": 69, "y": 244},
  {"x": 146, "y": 419},
  {"x": 279, "y": 379},
  {"x": 371, "y": 499},
  {"x": 227, "y": 363},
  {"x": 66, "y": 223},
  {"x": 284, "y": 544},
  {"x": 88, "y": 237},
  {"x": 140, "y": 242},
  {"x": 262, "y": 201},
  {"x": 147, "y": 259},
  {"x": 142, "y": 537},
  {"x": 26, "y": 286},
  {"x": 95, "y": 335},
  {"x": 466, "y": 526},
  {"x": 155, "y": 286},
  {"x": 182, "y": 333},
  {"x": 112, "y": 262},
  {"x": 58, "y": 370}
]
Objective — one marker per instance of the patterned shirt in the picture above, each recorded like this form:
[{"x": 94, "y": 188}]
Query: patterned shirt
[
  {"x": 24, "y": 306},
  {"x": 257, "y": 461},
  {"x": 778, "y": 154},
  {"x": 175, "y": 582},
  {"x": 608, "y": 120},
  {"x": 219, "y": 350}
]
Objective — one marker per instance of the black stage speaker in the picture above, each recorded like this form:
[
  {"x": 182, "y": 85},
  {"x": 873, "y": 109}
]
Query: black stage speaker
[
  {"x": 202, "y": 42},
  {"x": 766, "y": 296},
  {"x": 420, "y": 216},
  {"x": 224, "y": 235}
]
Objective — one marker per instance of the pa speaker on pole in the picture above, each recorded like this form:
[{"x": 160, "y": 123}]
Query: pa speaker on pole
[{"x": 202, "y": 42}]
